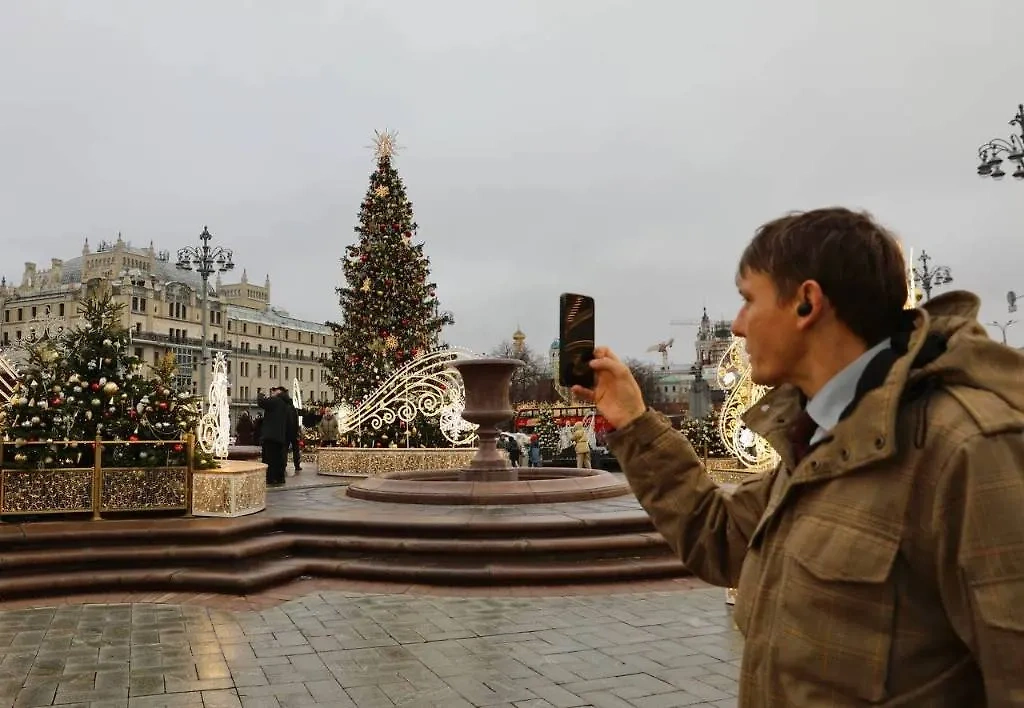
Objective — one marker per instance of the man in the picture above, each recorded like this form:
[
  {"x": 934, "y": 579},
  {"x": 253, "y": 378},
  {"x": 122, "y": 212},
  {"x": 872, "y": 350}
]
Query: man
[
  {"x": 274, "y": 434},
  {"x": 882, "y": 563},
  {"x": 292, "y": 434}
]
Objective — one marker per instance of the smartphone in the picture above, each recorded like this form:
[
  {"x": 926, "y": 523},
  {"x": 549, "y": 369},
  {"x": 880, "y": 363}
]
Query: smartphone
[{"x": 575, "y": 340}]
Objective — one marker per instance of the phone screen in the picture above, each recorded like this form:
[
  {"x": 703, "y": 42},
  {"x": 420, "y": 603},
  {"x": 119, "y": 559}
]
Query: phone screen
[{"x": 575, "y": 340}]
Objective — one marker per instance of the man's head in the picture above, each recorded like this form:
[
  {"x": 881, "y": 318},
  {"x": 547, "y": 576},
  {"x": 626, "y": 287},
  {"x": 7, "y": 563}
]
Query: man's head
[
  {"x": 814, "y": 283},
  {"x": 282, "y": 391}
]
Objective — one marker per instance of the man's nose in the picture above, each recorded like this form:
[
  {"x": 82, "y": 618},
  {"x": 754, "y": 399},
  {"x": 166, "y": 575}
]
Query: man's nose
[{"x": 738, "y": 329}]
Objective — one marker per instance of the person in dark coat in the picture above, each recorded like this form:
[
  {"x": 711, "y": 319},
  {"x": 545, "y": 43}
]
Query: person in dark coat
[
  {"x": 292, "y": 437},
  {"x": 274, "y": 433}
]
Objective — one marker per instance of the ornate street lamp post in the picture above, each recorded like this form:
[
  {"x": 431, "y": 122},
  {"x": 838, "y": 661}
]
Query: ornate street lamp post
[
  {"x": 1011, "y": 301},
  {"x": 206, "y": 261},
  {"x": 991, "y": 153},
  {"x": 1003, "y": 326},
  {"x": 929, "y": 278}
]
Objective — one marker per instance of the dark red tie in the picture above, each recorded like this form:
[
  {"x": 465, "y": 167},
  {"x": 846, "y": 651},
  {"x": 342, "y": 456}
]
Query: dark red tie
[{"x": 800, "y": 434}]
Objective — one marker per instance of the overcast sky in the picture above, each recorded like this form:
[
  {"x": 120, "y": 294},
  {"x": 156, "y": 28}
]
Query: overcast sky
[{"x": 626, "y": 149}]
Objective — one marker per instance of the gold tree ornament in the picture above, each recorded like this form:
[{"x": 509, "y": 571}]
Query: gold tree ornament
[
  {"x": 366, "y": 286},
  {"x": 385, "y": 144},
  {"x": 382, "y": 191},
  {"x": 391, "y": 342}
]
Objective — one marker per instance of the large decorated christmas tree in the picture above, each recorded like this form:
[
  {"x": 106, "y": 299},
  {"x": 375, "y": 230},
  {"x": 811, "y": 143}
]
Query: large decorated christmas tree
[
  {"x": 389, "y": 305},
  {"x": 85, "y": 383}
]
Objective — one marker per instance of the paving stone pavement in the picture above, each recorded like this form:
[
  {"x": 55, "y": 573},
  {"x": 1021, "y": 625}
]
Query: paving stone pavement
[{"x": 346, "y": 649}]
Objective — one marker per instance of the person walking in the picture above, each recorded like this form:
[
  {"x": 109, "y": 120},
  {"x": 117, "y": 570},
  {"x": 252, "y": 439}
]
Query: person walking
[
  {"x": 582, "y": 446},
  {"x": 513, "y": 449},
  {"x": 535, "y": 456},
  {"x": 882, "y": 562},
  {"x": 292, "y": 442},
  {"x": 273, "y": 434}
]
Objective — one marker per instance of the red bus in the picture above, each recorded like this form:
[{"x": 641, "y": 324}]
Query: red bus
[{"x": 528, "y": 416}]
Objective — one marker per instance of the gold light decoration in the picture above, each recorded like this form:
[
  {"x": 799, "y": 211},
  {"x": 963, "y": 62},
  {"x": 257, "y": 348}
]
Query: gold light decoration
[
  {"x": 50, "y": 491},
  {"x": 150, "y": 489},
  {"x": 385, "y": 144},
  {"x": 391, "y": 342},
  {"x": 237, "y": 488},
  {"x": 913, "y": 292},
  {"x": 373, "y": 462},
  {"x": 366, "y": 286},
  {"x": 382, "y": 191},
  {"x": 750, "y": 449},
  {"x": 424, "y": 386}
]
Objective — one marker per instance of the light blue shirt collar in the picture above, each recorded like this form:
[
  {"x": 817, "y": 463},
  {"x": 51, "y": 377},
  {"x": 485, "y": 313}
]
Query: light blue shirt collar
[{"x": 827, "y": 406}]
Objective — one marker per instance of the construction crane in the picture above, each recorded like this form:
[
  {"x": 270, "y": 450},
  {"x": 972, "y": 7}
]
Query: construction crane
[{"x": 662, "y": 348}]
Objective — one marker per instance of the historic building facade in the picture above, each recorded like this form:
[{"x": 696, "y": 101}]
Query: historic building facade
[{"x": 264, "y": 345}]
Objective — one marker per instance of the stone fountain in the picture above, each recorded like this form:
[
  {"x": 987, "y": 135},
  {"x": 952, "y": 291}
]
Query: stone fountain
[{"x": 489, "y": 478}]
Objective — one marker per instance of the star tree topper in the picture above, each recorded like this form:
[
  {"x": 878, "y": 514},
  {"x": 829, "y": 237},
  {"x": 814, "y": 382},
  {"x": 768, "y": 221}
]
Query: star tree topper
[{"x": 385, "y": 144}]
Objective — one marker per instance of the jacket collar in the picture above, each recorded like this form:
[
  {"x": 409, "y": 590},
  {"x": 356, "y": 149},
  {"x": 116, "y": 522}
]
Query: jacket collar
[{"x": 867, "y": 433}]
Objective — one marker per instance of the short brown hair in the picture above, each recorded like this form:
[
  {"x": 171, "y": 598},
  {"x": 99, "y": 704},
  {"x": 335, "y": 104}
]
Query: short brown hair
[{"x": 857, "y": 262}]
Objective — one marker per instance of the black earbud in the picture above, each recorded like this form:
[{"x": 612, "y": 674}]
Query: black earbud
[{"x": 804, "y": 308}]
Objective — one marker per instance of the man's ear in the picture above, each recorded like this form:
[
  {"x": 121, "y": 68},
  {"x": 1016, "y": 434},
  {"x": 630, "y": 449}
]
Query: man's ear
[{"x": 810, "y": 303}]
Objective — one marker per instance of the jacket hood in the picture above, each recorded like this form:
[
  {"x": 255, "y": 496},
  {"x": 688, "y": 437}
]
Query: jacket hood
[{"x": 971, "y": 358}]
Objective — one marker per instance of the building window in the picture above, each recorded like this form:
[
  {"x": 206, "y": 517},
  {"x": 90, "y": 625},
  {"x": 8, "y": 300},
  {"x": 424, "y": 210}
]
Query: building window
[
  {"x": 60, "y": 310},
  {"x": 259, "y": 371},
  {"x": 7, "y": 315},
  {"x": 244, "y": 328},
  {"x": 259, "y": 330},
  {"x": 20, "y": 317},
  {"x": 33, "y": 313},
  {"x": 138, "y": 328},
  {"x": 138, "y": 353},
  {"x": 259, "y": 348},
  {"x": 286, "y": 372}
]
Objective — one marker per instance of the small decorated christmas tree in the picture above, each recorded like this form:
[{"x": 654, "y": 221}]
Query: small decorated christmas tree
[
  {"x": 547, "y": 433},
  {"x": 703, "y": 434},
  {"x": 84, "y": 384}
]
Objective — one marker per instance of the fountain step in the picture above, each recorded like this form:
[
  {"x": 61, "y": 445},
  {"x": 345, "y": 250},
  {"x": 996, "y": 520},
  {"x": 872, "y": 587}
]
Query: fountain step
[{"x": 204, "y": 555}]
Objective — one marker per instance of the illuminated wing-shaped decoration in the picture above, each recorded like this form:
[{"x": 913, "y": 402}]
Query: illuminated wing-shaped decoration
[
  {"x": 213, "y": 433},
  {"x": 751, "y": 450},
  {"x": 8, "y": 378},
  {"x": 425, "y": 385},
  {"x": 296, "y": 395}
]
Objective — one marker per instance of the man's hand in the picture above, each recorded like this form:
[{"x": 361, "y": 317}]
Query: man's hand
[{"x": 616, "y": 393}]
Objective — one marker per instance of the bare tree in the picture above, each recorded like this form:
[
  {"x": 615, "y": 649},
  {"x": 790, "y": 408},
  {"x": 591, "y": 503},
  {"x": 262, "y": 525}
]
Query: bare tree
[
  {"x": 646, "y": 377},
  {"x": 527, "y": 376}
]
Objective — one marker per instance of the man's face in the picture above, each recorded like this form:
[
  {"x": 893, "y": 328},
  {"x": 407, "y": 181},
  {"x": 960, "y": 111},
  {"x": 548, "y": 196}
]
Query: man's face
[{"x": 771, "y": 328}]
